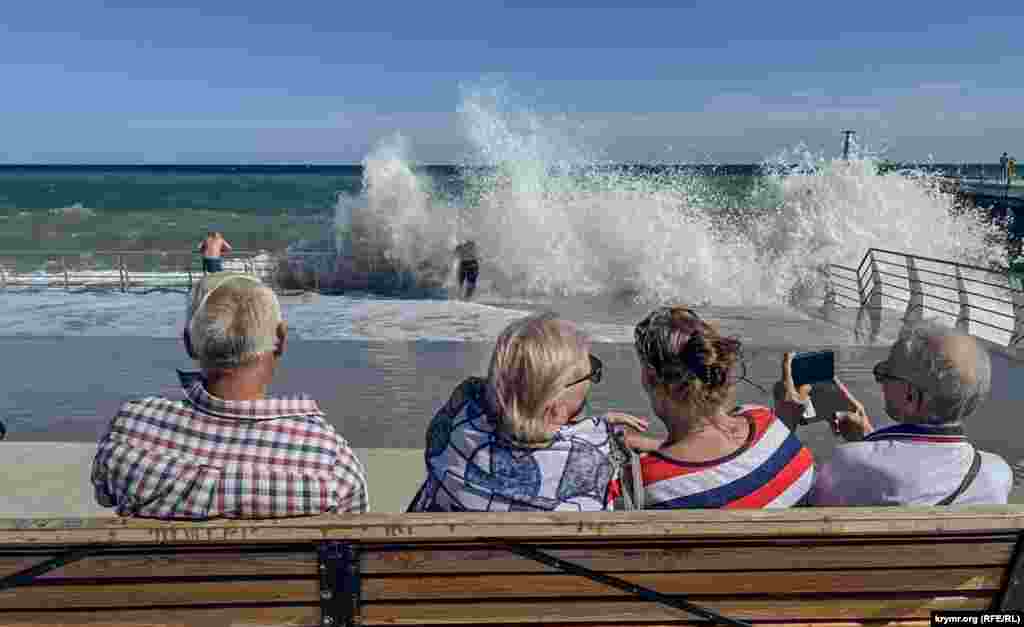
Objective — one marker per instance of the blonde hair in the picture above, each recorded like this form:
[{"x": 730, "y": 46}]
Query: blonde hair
[
  {"x": 534, "y": 359},
  {"x": 232, "y": 320}
]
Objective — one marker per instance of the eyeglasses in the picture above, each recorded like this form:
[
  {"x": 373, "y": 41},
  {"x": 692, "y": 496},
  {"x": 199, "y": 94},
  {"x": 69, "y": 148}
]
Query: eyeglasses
[
  {"x": 881, "y": 372},
  {"x": 596, "y": 370}
]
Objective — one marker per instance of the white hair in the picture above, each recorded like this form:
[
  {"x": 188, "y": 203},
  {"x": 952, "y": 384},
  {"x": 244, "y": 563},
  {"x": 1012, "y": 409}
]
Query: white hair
[
  {"x": 955, "y": 388},
  {"x": 232, "y": 319}
]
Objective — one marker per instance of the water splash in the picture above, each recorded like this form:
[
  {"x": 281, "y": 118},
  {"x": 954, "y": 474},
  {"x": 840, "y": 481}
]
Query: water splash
[
  {"x": 412, "y": 229},
  {"x": 550, "y": 217},
  {"x": 557, "y": 220}
]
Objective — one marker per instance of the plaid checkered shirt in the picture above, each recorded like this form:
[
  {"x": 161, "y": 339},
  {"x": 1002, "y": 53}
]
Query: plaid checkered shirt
[{"x": 206, "y": 457}]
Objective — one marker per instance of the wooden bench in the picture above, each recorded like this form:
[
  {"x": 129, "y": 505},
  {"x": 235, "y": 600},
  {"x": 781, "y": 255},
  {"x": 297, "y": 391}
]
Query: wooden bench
[{"x": 822, "y": 567}]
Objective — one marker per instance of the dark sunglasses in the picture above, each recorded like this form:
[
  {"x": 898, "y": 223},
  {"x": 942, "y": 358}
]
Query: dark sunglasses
[
  {"x": 881, "y": 372},
  {"x": 596, "y": 369}
]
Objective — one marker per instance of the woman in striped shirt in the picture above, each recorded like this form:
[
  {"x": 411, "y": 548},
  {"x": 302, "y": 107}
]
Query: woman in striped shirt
[{"x": 713, "y": 457}]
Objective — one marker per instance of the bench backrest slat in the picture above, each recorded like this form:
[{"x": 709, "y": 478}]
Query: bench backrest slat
[{"x": 685, "y": 556}]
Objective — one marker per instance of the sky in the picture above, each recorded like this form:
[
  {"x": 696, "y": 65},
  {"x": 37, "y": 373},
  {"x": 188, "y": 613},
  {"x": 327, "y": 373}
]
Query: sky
[{"x": 226, "y": 81}]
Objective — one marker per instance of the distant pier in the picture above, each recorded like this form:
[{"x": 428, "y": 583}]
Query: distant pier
[{"x": 986, "y": 193}]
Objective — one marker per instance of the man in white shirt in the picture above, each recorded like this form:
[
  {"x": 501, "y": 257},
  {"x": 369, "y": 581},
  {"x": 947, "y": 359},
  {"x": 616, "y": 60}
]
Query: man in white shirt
[{"x": 934, "y": 379}]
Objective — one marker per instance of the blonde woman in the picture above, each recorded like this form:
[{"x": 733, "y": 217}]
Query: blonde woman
[
  {"x": 524, "y": 438},
  {"x": 715, "y": 456}
]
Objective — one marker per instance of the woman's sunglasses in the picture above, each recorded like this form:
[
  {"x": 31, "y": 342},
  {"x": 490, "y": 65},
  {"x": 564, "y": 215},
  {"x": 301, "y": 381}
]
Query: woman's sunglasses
[{"x": 596, "y": 369}]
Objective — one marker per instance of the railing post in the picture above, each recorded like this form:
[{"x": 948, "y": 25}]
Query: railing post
[
  {"x": 915, "y": 304},
  {"x": 1017, "y": 296},
  {"x": 963, "y": 321},
  {"x": 874, "y": 303},
  {"x": 830, "y": 292},
  {"x": 122, "y": 272},
  {"x": 64, "y": 268}
]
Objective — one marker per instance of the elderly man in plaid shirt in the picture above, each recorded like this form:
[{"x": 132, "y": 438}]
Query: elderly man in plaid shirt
[{"x": 226, "y": 449}]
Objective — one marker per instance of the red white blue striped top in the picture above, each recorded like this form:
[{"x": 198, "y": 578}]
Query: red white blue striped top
[{"x": 772, "y": 469}]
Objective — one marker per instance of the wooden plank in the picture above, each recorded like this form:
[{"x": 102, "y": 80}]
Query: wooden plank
[
  {"x": 192, "y": 617},
  {"x": 369, "y": 528},
  {"x": 170, "y": 565},
  {"x": 172, "y": 593},
  {"x": 451, "y": 587},
  {"x": 698, "y": 558},
  {"x": 553, "y": 612}
]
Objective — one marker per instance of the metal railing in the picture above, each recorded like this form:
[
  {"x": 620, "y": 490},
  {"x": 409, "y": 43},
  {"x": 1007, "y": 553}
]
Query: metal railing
[
  {"x": 983, "y": 301},
  {"x": 124, "y": 269}
]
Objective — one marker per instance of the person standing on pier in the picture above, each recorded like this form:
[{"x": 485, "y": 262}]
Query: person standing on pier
[
  {"x": 469, "y": 268},
  {"x": 211, "y": 248},
  {"x": 1004, "y": 161},
  {"x": 1011, "y": 170}
]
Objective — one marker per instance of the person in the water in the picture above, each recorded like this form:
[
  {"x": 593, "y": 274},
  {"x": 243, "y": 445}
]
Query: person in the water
[
  {"x": 212, "y": 249},
  {"x": 469, "y": 268}
]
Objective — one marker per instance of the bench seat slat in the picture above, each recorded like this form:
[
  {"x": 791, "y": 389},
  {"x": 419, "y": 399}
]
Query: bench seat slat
[
  {"x": 761, "y": 583},
  {"x": 161, "y": 617},
  {"x": 572, "y": 611},
  {"x": 610, "y": 559},
  {"x": 166, "y": 593},
  {"x": 170, "y": 565}
]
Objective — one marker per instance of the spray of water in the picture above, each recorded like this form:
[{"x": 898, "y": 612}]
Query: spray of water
[
  {"x": 550, "y": 217},
  {"x": 413, "y": 231}
]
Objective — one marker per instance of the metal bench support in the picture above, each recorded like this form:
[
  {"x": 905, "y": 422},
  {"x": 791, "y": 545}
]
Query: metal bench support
[
  {"x": 28, "y": 576},
  {"x": 340, "y": 584},
  {"x": 644, "y": 593},
  {"x": 1012, "y": 595}
]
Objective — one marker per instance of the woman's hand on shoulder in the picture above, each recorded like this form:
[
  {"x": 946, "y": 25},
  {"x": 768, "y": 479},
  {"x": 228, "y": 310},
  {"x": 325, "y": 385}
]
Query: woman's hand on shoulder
[
  {"x": 634, "y": 427},
  {"x": 637, "y": 423}
]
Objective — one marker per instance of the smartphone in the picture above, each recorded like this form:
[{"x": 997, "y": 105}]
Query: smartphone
[{"x": 814, "y": 367}]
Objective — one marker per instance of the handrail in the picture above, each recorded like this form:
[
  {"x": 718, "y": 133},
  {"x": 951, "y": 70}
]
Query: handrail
[
  {"x": 933, "y": 259},
  {"x": 871, "y": 289},
  {"x": 262, "y": 262},
  {"x": 157, "y": 251}
]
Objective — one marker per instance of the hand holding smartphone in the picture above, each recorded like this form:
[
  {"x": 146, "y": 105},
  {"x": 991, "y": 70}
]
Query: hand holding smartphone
[{"x": 815, "y": 367}]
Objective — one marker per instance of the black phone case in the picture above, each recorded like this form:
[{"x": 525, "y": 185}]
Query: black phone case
[{"x": 813, "y": 367}]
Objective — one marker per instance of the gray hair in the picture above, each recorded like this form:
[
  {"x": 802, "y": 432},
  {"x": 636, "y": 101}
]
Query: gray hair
[
  {"x": 956, "y": 384},
  {"x": 232, "y": 319}
]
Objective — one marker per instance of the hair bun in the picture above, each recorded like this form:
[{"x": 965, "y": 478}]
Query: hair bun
[{"x": 697, "y": 354}]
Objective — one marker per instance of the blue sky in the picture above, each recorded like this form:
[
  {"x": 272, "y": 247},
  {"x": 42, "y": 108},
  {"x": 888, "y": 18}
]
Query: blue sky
[{"x": 314, "y": 81}]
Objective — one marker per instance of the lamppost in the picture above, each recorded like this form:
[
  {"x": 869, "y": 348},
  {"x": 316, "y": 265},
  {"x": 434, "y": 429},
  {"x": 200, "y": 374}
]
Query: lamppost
[{"x": 846, "y": 144}]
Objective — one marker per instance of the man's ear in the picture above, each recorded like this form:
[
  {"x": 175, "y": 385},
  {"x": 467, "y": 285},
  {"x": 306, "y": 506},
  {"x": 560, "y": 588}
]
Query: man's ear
[
  {"x": 282, "y": 338},
  {"x": 187, "y": 337}
]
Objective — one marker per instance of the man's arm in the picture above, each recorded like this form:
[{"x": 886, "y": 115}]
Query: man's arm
[
  {"x": 100, "y": 470},
  {"x": 353, "y": 493},
  {"x": 202, "y": 246},
  {"x": 227, "y": 245}
]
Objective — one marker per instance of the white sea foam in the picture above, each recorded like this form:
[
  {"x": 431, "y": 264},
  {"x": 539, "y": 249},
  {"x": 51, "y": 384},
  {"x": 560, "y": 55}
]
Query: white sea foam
[{"x": 549, "y": 219}]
